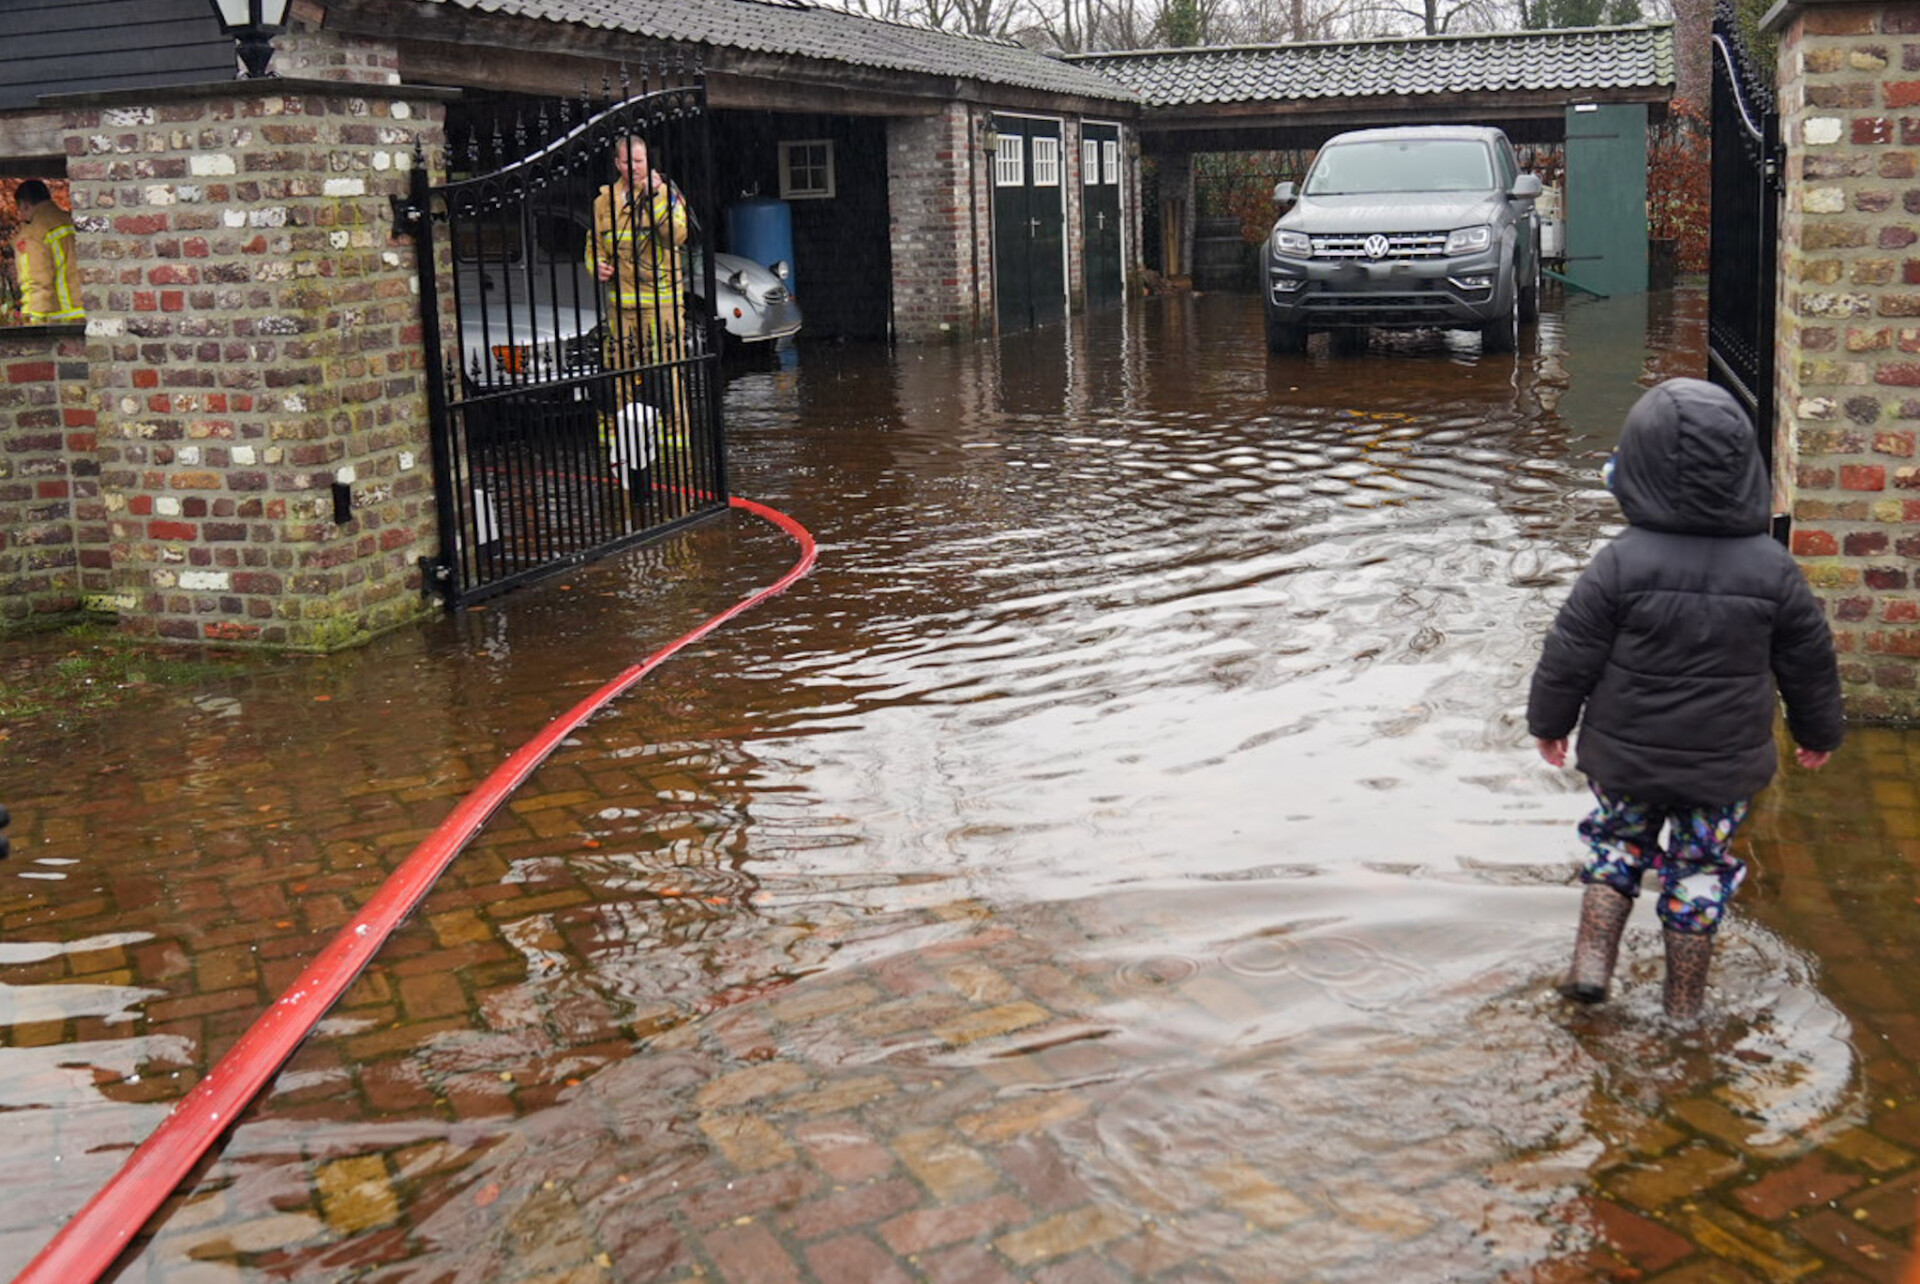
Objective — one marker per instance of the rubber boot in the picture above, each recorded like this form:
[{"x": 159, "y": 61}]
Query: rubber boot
[
  {"x": 1603, "y": 916},
  {"x": 1685, "y": 992}
]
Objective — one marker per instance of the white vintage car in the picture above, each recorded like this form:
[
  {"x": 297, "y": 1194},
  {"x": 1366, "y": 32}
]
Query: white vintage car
[{"x": 530, "y": 307}]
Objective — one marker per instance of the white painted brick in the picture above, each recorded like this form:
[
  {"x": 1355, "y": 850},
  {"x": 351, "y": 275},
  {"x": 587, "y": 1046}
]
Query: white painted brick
[{"x": 1820, "y": 130}]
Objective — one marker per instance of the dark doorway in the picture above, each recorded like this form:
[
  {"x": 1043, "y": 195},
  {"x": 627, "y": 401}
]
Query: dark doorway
[
  {"x": 1100, "y": 213},
  {"x": 1029, "y": 223}
]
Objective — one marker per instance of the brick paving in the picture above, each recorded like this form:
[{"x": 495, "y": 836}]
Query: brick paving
[{"x": 605, "y": 1049}]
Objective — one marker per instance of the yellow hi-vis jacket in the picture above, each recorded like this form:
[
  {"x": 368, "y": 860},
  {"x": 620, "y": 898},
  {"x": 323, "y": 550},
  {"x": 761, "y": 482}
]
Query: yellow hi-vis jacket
[
  {"x": 43, "y": 249},
  {"x": 639, "y": 235}
]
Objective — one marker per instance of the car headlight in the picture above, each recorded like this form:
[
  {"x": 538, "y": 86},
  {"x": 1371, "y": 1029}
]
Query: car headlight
[
  {"x": 1467, "y": 239},
  {"x": 781, "y": 270},
  {"x": 1297, "y": 245}
]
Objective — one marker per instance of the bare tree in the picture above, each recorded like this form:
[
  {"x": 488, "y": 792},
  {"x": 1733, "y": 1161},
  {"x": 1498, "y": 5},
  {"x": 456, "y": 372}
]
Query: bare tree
[{"x": 1087, "y": 25}]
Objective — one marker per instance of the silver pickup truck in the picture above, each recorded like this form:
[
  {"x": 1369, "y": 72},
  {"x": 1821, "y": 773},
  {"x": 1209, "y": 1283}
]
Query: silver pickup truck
[{"x": 1418, "y": 226}]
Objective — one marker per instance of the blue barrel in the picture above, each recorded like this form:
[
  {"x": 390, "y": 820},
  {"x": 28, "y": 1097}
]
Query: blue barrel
[{"x": 761, "y": 229}]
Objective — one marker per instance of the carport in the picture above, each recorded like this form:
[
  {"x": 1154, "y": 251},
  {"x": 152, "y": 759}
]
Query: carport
[
  {"x": 1594, "y": 90},
  {"x": 875, "y": 137}
]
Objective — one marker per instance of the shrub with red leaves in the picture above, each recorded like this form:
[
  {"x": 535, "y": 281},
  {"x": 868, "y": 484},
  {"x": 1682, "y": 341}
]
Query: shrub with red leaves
[{"x": 1680, "y": 184}]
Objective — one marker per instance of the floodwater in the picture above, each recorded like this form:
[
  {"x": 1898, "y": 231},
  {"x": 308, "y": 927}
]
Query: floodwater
[{"x": 1121, "y": 859}]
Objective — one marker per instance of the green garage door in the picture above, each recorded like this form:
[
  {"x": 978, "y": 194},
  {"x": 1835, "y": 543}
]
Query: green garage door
[
  {"x": 1100, "y": 213},
  {"x": 1607, "y": 197},
  {"x": 1029, "y": 223}
]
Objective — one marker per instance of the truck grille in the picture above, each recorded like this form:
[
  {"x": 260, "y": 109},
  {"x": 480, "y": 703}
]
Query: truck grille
[{"x": 1400, "y": 245}]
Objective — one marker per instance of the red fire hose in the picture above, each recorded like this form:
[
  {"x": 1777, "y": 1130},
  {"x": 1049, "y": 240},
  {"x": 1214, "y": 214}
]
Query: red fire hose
[{"x": 88, "y": 1244}]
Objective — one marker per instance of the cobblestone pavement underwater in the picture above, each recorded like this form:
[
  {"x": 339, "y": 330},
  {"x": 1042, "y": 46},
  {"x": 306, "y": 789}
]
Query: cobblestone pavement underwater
[{"x": 1120, "y": 862}]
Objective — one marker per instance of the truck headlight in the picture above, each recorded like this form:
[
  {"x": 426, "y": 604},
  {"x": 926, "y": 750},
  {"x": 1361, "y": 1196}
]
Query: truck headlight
[
  {"x": 1295, "y": 245},
  {"x": 1467, "y": 239}
]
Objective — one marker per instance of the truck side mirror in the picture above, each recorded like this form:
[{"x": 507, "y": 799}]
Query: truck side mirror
[
  {"x": 1284, "y": 194},
  {"x": 1525, "y": 188}
]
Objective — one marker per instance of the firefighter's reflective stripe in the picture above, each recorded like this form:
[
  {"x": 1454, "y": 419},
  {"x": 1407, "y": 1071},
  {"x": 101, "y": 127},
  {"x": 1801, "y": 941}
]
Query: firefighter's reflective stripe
[
  {"x": 67, "y": 308},
  {"x": 644, "y": 300}
]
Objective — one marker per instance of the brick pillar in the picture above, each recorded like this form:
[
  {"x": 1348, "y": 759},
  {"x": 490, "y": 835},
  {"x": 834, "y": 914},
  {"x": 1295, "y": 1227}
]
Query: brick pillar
[
  {"x": 1849, "y": 334},
  {"x": 939, "y": 184},
  {"x": 254, "y": 338},
  {"x": 1073, "y": 183},
  {"x": 52, "y": 533}
]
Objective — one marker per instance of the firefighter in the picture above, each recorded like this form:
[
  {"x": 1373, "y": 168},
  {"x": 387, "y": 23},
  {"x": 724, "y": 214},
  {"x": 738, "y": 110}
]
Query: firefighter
[
  {"x": 43, "y": 249},
  {"x": 639, "y": 224}
]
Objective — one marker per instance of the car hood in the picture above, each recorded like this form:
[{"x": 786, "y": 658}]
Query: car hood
[{"x": 1401, "y": 212}]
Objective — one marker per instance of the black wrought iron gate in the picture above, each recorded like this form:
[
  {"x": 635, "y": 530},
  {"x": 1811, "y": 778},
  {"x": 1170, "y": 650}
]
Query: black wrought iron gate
[
  {"x": 574, "y": 388},
  {"x": 1743, "y": 255}
]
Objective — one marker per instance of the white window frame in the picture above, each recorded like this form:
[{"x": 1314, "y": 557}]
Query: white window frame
[
  {"x": 1110, "y": 160},
  {"x": 1089, "y": 162},
  {"x": 1046, "y": 160},
  {"x": 1010, "y": 161},
  {"x": 813, "y": 189}
]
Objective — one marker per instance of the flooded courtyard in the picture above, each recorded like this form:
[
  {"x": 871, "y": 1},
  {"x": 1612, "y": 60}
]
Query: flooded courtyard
[{"x": 1123, "y": 858}]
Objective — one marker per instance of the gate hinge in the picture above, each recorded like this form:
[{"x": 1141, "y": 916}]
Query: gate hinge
[
  {"x": 406, "y": 214},
  {"x": 436, "y": 578}
]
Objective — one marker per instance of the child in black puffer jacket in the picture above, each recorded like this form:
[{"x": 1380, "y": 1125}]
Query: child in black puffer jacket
[{"x": 1672, "y": 654}]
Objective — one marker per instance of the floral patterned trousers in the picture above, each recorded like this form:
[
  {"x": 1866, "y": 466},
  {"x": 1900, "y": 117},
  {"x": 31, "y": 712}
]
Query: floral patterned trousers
[{"x": 1698, "y": 871}]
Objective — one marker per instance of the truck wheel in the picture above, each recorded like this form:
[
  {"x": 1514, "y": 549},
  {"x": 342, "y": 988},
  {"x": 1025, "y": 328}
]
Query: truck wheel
[
  {"x": 1502, "y": 335},
  {"x": 1530, "y": 294},
  {"x": 1285, "y": 338}
]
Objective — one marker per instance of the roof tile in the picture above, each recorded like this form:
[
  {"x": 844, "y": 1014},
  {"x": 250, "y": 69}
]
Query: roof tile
[
  {"x": 797, "y": 28},
  {"x": 1592, "y": 58}
]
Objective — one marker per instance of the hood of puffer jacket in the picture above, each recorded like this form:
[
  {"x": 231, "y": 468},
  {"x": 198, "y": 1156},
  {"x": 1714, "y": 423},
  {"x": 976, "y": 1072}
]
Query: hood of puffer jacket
[{"x": 1688, "y": 462}]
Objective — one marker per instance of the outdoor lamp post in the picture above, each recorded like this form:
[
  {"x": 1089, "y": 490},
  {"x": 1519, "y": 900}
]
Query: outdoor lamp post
[{"x": 252, "y": 24}]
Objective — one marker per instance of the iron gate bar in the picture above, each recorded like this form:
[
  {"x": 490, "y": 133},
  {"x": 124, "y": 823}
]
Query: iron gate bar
[
  {"x": 533, "y": 463},
  {"x": 1745, "y": 220}
]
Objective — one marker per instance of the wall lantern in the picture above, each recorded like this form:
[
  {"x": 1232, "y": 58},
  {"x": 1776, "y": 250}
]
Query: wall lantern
[
  {"x": 989, "y": 139},
  {"x": 252, "y": 24}
]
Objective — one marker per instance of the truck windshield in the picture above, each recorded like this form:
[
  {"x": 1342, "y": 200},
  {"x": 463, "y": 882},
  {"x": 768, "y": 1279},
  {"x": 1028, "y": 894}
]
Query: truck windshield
[{"x": 1402, "y": 165}]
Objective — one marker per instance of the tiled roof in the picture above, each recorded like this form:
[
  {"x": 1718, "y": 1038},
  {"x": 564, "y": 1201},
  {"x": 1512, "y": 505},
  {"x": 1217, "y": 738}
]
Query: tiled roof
[
  {"x": 1575, "y": 60},
  {"x": 794, "y": 28}
]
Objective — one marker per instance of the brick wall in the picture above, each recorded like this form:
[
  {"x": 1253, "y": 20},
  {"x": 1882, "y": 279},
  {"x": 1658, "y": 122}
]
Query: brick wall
[
  {"x": 253, "y": 336},
  {"x": 1849, "y": 334},
  {"x": 52, "y": 528},
  {"x": 1072, "y": 179},
  {"x": 938, "y": 185},
  {"x": 312, "y": 55}
]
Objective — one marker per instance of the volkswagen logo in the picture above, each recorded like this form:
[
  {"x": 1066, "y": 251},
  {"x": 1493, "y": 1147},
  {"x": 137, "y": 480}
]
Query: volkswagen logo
[{"x": 1375, "y": 246}]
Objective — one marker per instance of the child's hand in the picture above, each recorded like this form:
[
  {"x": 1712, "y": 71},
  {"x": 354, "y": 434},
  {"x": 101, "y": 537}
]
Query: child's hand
[
  {"x": 1554, "y": 751},
  {"x": 1812, "y": 759}
]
